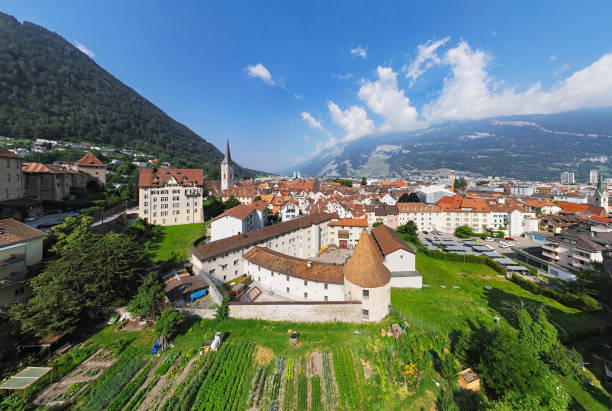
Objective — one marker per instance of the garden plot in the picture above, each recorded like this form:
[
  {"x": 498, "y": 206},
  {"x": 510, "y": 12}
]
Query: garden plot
[{"x": 76, "y": 381}]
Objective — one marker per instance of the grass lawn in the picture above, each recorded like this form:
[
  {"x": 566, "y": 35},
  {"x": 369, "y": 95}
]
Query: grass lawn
[
  {"x": 179, "y": 238},
  {"x": 448, "y": 309}
]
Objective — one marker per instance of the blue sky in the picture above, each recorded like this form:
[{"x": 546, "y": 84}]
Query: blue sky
[{"x": 284, "y": 80}]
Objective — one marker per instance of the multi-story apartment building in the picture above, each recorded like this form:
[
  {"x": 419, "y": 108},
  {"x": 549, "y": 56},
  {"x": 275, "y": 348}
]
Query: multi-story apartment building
[
  {"x": 425, "y": 216},
  {"x": 573, "y": 249},
  {"x": 168, "y": 196},
  {"x": 522, "y": 190},
  {"x": 21, "y": 246},
  {"x": 11, "y": 176},
  {"x": 593, "y": 176},
  {"x": 567, "y": 178},
  {"x": 458, "y": 211}
]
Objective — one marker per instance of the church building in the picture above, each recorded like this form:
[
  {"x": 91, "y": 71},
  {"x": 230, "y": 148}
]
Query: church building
[{"x": 227, "y": 169}]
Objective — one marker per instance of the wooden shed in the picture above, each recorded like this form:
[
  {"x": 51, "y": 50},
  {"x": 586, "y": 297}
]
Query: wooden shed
[{"x": 468, "y": 380}]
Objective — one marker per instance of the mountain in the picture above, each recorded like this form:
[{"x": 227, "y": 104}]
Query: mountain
[
  {"x": 50, "y": 89},
  {"x": 530, "y": 147}
]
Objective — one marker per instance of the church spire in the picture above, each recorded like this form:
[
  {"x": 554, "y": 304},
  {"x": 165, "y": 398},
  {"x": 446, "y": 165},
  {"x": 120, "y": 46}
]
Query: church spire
[
  {"x": 600, "y": 187},
  {"x": 228, "y": 157}
]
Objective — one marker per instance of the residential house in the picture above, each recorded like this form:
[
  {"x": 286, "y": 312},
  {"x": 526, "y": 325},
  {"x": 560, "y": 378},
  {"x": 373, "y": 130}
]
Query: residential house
[{"x": 11, "y": 176}]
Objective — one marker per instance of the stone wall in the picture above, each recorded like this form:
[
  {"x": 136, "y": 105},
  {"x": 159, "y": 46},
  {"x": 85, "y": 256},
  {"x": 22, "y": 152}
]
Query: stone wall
[{"x": 341, "y": 311}]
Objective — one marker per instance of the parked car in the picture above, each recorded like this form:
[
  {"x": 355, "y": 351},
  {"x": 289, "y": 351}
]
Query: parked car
[
  {"x": 425, "y": 232},
  {"x": 488, "y": 238},
  {"x": 509, "y": 239},
  {"x": 503, "y": 244}
]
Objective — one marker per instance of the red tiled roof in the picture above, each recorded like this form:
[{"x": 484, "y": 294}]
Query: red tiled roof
[
  {"x": 45, "y": 168},
  {"x": 240, "y": 212},
  {"x": 184, "y": 176},
  {"x": 388, "y": 240},
  {"x": 12, "y": 232},
  {"x": 365, "y": 268},
  {"x": 89, "y": 160},
  {"x": 294, "y": 266},
  {"x": 349, "y": 222}
]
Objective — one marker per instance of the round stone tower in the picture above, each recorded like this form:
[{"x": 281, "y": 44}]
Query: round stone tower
[{"x": 366, "y": 279}]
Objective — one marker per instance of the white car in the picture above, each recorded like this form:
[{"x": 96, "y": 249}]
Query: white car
[
  {"x": 503, "y": 244},
  {"x": 488, "y": 239}
]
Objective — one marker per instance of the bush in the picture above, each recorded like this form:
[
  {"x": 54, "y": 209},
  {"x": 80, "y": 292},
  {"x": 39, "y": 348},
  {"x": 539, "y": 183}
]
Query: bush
[{"x": 582, "y": 302}]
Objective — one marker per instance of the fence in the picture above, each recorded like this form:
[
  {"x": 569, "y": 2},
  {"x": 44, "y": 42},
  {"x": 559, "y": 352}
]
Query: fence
[{"x": 416, "y": 321}]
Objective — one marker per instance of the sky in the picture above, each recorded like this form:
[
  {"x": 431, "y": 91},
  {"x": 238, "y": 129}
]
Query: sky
[{"x": 284, "y": 80}]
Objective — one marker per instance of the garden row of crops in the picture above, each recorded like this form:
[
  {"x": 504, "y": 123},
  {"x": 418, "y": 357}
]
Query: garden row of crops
[
  {"x": 259, "y": 386},
  {"x": 102, "y": 391},
  {"x": 345, "y": 377},
  {"x": 184, "y": 393},
  {"x": 119, "y": 401},
  {"x": 329, "y": 382},
  {"x": 315, "y": 393},
  {"x": 288, "y": 400},
  {"x": 224, "y": 387}
]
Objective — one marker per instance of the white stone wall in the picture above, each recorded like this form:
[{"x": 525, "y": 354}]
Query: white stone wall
[
  {"x": 354, "y": 233},
  {"x": 302, "y": 243},
  {"x": 299, "y": 312},
  {"x": 399, "y": 260},
  {"x": 294, "y": 288},
  {"x": 407, "y": 282},
  {"x": 376, "y": 303}
]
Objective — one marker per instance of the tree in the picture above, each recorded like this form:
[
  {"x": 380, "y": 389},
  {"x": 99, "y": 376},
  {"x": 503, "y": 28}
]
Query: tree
[
  {"x": 168, "y": 322},
  {"x": 410, "y": 228},
  {"x": 409, "y": 198},
  {"x": 149, "y": 299},
  {"x": 257, "y": 198},
  {"x": 88, "y": 272},
  {"x": 222, "y": 310},
  {"x": 449, "y": 368},
  {"x": 212, "y": 207},
  {"x": 364, "y": 181},
  {"x": 376, "y": 224},
  {"x": 461, "y": 184},
  {"x": 231, "y": 203},
  {"x": 463, "y": 231}
]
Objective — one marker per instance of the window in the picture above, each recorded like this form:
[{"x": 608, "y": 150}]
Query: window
[
  {"x": 325, "y": 298},
  {"x": 305, "y": 295},
  {"x": 146, "y": 203},
  {"x": 224, "y": 277},
  {"x": 305, "y": 282},
  {"x": 164, "y": 221},
  {"x": 287, "y": 289},
  {"x": 223, "y": 266},
  {"x": 325, "y": 286},
  {"x": 366, "y": 294},
  {"x": 365, "y": 314},
  {"x": 287, "y": 278}
]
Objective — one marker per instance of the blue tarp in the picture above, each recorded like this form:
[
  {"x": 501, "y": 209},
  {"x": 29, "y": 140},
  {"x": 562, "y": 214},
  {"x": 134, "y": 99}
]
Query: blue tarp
[
  {"x": 155, "y": 348},
  {"x": 196, "y": 295}
]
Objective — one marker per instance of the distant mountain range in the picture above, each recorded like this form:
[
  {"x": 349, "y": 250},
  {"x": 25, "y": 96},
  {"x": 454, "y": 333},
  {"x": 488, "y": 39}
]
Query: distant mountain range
[
  {"x": 531, "y": 147},
  {"x": 50, "y": 89}
]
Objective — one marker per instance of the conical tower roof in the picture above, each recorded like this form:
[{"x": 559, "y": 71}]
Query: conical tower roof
[
  {"x": 600, "y": 185},
  {"x": 228, "y": 158},
  {"x": 365, "y": 268}
]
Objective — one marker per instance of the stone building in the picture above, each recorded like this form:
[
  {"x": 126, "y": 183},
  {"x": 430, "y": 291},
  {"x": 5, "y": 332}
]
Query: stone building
[
  {"x": 91, "y": 165},
  {"x": 11, "y": 176},
  {"x": 170, "y": 196},
  {"x": 52, "y": 182}
]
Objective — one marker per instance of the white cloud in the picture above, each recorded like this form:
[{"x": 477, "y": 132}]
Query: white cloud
[
  {"x": 260, "y": 71},
  {"x": 353, "y": 120},
  {"x": 298, "y": 96},
  {"x": 84, "y": 49},
  {"x": 359, "y": 51},
  {"x": 552, "y": 58},
  {"x": 426, "y": 58},
  {"x": 470, "y": 93},
  {"x": 312, "y": 122},
  {"x": 384, "y": 98},
  {"x": 561, "y": 70},
  {"x": 343, "y": 76},
  {"x": 306, "y": 137}
]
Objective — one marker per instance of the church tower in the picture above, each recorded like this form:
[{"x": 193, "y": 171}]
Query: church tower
[
  {"x": 227, "y": 169},
  {"x": 600, "y": 198}
]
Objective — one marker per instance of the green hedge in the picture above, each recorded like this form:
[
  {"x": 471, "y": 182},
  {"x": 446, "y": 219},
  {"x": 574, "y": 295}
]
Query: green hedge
[
  {"x": 477, "y": 259},
  {"x": 580, "y": 301}
]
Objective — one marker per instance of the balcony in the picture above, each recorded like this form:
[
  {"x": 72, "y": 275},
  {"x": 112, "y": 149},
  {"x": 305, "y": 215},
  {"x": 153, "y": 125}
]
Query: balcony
[
  {"x": 13, "y": 259},
  {"x": 582, "y": 258},
  {"x": 550, "y": 254},
  {"x": 551, "y": 247}
]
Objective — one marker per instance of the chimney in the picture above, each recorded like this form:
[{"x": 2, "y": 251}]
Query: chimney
[{"x": 309, "y": 264}]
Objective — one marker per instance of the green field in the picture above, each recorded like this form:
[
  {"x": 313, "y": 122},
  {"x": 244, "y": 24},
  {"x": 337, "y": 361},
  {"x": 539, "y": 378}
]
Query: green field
[
  {"x": 178, "y": 238},
  {"x": 448, "y": 309}
]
